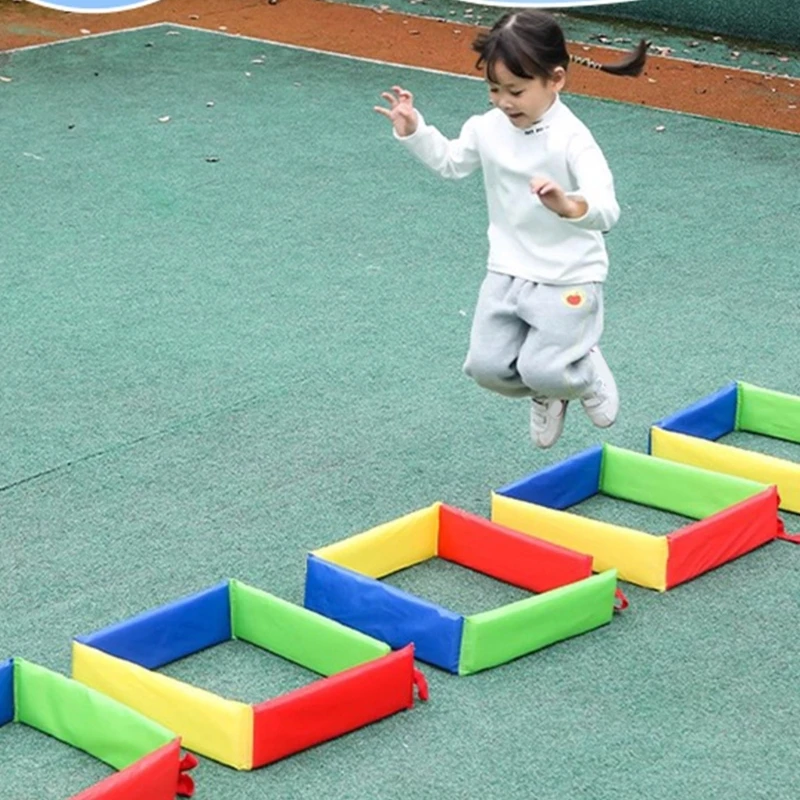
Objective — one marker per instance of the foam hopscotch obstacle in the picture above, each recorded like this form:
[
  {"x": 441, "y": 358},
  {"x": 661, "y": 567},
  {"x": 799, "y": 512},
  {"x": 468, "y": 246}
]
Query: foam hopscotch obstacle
[
  {"x": 147, "y": 754},
  {"x": 342, "y": 582},
  {"x": 363, "y": 680},
  {"x": 690, "y": 435},
  {"x": 734, "y": 515}
]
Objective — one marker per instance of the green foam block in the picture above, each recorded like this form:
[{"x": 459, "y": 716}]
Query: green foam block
[
  {"x": 768, "y": 413},
  {"x": 495, "y": 637},
  {"x": 297, "y": 634},
  {"x": 669, "y": 485},
  {"x": 83, "y": 718}
]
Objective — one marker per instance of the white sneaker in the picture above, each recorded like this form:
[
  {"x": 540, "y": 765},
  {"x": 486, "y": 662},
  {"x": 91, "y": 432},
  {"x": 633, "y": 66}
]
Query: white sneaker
[
  {"x": 601, "y": 402},
  {"x": 547, "y": 421}
]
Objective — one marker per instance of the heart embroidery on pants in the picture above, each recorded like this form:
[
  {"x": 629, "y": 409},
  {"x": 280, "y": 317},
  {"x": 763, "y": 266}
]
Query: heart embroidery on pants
[{"x": 574, "y": 298}]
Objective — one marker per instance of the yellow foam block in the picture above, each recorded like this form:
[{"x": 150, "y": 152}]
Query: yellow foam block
[
  {"x": 210, "y": 725},
  {"x": 730, "y": 461},
  {"x": 638, "y": 557},
  {"x": 389, "y": 547}
]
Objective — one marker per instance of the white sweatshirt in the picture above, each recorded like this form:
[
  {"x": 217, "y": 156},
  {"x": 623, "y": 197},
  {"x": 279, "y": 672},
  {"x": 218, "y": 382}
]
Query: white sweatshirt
[{"x": 526, "y": 239}]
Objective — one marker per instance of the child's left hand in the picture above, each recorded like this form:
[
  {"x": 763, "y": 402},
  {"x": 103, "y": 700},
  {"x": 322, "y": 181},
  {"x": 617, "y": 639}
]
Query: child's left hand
[{"x": 554, "y": 198}]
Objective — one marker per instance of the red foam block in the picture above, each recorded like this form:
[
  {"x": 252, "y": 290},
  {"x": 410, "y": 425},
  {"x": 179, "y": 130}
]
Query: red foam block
[
  {"x": 157, "y": 776},
  {"x": 333, "y": 706},
  {"x": 507, "y": 555},
  {"x": 729, "y": 534}
]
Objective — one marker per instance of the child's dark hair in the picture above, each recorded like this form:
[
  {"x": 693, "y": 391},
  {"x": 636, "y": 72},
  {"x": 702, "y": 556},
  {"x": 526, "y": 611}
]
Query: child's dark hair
[{"x": 531, "y": 44}]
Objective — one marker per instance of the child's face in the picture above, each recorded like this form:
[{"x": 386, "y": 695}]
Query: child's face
[{"x": 524, "y": 100}]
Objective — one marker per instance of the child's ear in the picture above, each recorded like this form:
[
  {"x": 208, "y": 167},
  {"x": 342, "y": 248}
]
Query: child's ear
[{"x": 559, "y": 78}]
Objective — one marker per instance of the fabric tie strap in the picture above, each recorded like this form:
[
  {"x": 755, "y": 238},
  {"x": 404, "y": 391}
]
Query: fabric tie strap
[
  {"x": 421, "y": 684},
  {"x": 185, "y": 781},
  {"x": 787, "y": 537},
  {"x": 623, "y": 601}
]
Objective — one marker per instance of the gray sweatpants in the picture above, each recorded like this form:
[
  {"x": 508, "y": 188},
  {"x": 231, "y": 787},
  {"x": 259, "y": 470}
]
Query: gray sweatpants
[{"x": 531, "y": 339}]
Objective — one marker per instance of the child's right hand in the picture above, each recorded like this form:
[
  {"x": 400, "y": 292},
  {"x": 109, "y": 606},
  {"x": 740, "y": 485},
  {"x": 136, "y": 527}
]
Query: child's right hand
[{"x": 401, "y": 110}]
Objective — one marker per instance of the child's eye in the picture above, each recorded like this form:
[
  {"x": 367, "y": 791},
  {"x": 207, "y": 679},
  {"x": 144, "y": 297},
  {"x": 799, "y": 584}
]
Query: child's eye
[
  {"x": 516, "y": 94},
  {"x": 492, "y": 90}
]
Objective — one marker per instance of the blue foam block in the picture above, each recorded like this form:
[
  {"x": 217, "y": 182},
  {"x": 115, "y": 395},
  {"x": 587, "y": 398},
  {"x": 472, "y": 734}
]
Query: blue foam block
[
  {"x": 170, "y": 632},
  {"x": 6, "y": 691},
  {"x": 384, "y": 612},
  {"x": 709, "y": 418},
  {"x": 562, "y": 485}
]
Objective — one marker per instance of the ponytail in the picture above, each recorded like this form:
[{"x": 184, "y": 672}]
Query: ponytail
[{"x": 632, "y": 65}]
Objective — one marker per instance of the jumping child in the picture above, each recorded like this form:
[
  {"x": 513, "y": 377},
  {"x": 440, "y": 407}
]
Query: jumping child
[{"x": 550, "y": 197}]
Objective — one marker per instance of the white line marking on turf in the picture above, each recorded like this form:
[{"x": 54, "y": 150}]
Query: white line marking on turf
[{"x": 84, "y": 37}]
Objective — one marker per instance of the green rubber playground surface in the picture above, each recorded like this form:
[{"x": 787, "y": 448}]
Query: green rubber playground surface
[{"x": 237, "y": 335}]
